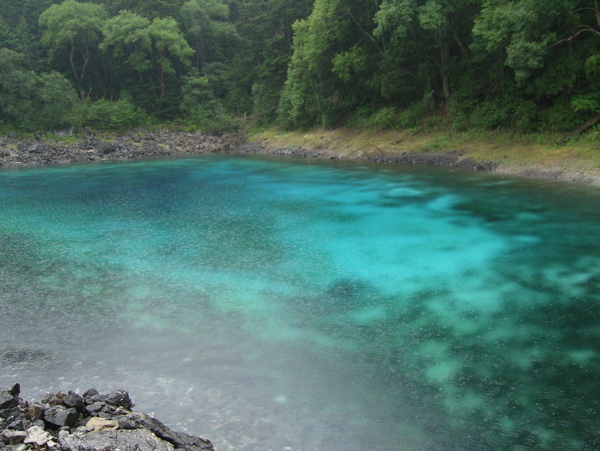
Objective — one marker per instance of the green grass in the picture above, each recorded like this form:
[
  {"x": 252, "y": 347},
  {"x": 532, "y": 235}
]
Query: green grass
[{"x": 515, "y": 152}]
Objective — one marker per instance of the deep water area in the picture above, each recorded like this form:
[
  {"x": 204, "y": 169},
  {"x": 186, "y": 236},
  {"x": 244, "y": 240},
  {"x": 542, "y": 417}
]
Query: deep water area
[{"x": 271, "y": 304}]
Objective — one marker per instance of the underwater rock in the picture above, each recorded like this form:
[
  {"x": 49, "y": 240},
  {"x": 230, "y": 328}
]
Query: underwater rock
[{"x": 92, "y": 422}]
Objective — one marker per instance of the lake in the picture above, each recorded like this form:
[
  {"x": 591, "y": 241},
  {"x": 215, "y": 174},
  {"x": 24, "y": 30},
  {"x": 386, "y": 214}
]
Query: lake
[{"x": 281, "y": 304}]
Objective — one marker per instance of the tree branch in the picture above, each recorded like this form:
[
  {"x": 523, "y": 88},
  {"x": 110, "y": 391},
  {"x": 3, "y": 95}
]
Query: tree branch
[{"x": 584, "y": 28}]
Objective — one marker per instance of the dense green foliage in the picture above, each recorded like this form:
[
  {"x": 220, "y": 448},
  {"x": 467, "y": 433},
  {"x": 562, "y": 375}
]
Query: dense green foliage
[{"x": 518, "y": 64}]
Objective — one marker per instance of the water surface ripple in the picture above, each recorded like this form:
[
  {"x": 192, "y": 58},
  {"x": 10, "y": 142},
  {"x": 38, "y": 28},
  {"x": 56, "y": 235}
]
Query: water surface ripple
[{"x": 278, "y": 304}]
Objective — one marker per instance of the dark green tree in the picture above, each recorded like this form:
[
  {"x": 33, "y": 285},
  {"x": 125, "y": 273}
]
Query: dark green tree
[
  {"x": 75, "y": 28},
  {"x": 31, "y": 101}
]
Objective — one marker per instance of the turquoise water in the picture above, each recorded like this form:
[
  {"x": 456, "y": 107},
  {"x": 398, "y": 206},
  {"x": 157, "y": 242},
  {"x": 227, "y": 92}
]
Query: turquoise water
[{"x": 282, "y": 304}]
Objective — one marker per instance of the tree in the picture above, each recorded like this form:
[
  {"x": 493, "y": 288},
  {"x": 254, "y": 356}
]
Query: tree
[
  {"x": 440, "y": 23},
  {"x": 127, "y": 34},
  {"x": 170, "y": 46},
  {"x": 263, "y": 53},
  {"x": 32, "y": 101},
  {"x": 312, "y": 93},
  {"x": 150, "y": 9},
  {"x": 206, "y": 22},
  {"x": 76, "y": 26},
  {"x": 158, "y": 44},
  {"x": 594, "y": 27},
  {"x": 521, "y": 30}
]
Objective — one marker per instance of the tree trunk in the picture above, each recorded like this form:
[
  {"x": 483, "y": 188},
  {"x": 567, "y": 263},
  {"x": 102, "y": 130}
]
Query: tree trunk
[
  {"x": 444, "y": 58},
  {"x": 584, "y": 128},
  {"x": 161, "y": 76},
  {"x": 72, "y": 60}
]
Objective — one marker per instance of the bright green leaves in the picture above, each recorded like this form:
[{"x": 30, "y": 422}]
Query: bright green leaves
[
  {"x": 351, "y": 62},
  {"x": 72, "y": 21},
  {"x": 394, "y": 17},
  {"x": 127, "y": 35},
  {"x": 76, "y": 26},
  {"x": 309, "y": 94},
  {"x": 522, "y": 29},
  {"x": 431, "y": 15},
  {"x": 168, "y": 40}
]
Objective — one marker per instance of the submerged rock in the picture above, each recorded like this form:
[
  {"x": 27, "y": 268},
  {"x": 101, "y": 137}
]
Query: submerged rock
[{"x": 92, "y": 422}]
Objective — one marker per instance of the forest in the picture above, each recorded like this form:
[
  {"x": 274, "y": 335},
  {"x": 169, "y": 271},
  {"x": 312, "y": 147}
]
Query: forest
[{"x": 523, "y": 65}]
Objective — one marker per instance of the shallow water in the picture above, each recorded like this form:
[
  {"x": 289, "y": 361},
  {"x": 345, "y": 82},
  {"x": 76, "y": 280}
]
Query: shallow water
[{"x": 282, "y": 304}]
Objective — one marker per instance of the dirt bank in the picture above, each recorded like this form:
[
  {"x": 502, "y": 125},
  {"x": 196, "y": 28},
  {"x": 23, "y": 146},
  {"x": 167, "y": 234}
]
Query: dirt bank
[{"x": 579, "y": 162}]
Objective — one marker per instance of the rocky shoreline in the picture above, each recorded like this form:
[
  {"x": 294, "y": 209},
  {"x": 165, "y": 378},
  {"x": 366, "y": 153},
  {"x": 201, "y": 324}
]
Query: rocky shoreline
[
  {"x": 454, "y": 159},
  {"x": 88, "y": 422},
  {"x": 139, "y": 143}
]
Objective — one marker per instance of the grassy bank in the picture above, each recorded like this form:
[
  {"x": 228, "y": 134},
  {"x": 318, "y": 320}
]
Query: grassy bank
[{"x": 534, "y": 155}]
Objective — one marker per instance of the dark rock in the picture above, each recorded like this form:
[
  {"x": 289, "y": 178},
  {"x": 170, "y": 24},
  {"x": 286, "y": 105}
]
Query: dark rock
[
  {"x": 73, "y": 400},
  {"x": 120, "y": 430},
  {"x": 33, "y": 412},
  {"x": 118, "y": 398},
  {"x": 95, "y": 407},
  {"x": 9, "y": 397},
  {"x": 137, "y": 420},
  {"x": 58, "y": 416},
  {"x": 106, "y": 147},
  {"x": 90, "y": 396},
  {"x": 22, "y": 147},
  {"x": 36, "y": 148}
]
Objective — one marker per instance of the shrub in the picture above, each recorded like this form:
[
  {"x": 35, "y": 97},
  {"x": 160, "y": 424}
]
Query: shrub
[{"x": 113, "y": 115}]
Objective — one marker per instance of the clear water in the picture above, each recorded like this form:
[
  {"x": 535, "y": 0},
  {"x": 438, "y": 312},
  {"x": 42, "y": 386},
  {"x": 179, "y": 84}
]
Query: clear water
[{"x": 289, "y": 305}]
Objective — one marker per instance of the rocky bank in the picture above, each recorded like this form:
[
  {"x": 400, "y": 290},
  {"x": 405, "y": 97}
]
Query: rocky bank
[
  {"x": 88, "y": 422},
  {"x": 92, "y": 146},
  {"x": 139, "y": 143},
  {"x": 455, "y": 159}
]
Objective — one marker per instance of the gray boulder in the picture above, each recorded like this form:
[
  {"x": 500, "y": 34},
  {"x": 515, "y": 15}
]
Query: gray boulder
[
  {"x": 137, "y": 420},
  {"x": 106, "y": 147},
  {"x": 131, "y": 440}
]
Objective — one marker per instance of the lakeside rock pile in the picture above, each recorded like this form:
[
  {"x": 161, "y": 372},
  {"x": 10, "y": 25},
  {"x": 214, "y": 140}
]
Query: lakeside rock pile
[
  {"x": 91, "y": 422},
  {"x": 140, "y": 143}
]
